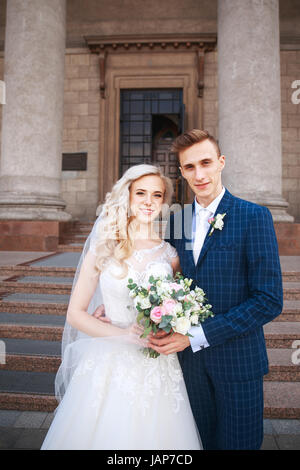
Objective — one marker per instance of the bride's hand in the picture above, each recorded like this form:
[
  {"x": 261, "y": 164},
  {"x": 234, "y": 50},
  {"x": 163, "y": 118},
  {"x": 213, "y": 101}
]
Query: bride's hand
[{"x": 134, "y": 332}]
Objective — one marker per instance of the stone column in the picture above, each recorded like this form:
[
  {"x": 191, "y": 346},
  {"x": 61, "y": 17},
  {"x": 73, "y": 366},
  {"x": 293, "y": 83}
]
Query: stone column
[
  {"x": 30, "y": 170},
  {"x": 249, "y": 101}
]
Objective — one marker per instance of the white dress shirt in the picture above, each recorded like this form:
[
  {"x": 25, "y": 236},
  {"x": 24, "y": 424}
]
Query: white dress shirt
[{"x": 198, "y": 340}]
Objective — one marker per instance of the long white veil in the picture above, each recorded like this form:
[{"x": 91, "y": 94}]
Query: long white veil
[
  {"x": 73, "y": 340},
  {"x": 70, "y": 334}
]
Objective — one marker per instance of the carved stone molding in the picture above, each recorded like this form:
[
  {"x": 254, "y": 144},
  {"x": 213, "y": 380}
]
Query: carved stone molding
[{"x": 104, "y": 45}]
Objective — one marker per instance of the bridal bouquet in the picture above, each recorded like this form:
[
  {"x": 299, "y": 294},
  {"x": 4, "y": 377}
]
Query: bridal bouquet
[{"x": 168, "y": 304}]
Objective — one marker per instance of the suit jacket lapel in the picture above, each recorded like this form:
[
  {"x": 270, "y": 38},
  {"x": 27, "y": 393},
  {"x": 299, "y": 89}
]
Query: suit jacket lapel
[{"x": 222, "y": 208}]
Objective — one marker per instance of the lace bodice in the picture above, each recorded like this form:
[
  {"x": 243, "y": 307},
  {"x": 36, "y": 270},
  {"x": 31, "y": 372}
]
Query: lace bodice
[{"x": 142, "y": 264}]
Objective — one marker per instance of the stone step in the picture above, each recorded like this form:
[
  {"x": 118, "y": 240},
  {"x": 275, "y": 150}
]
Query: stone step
[
  {"x": 32, "y": 355},
  {"x": 40, "y": 268},
  {"x": 282, "y": 400},
  {"x": 81, "y": 232},
  {"x": 70, "y": 248},
  {"x": 36, "y": 297},
  {"x": 27, "y": 382},
  {"x": 8, "y": 287},
  {"x": 27, "y": 391},
  {"x": 283, "y": 366},
  {"x": 32, "y": 347},
  {"x": 44, "y": 356},
  {"x": 87, "y": 225},
  {"x": 290, "y": 276},
  {"x": 49, "y": 286},
  {"x": 277, "y": 334},
  {"x": 48, "y": 333},
  {"x": 34, "y": 391},
  {"x": 291, "y": 308},
  {"x": 59, "y": 260},
  {"x": 31, "y": 363},
  {"x": 77, "y": 242},
  {"x": 290, "y": 312},
  {"x": 38, "y": 271},
  {"x": 81, "y": 237},
  {"x": 281, "y": 334},
  {"x": 36, "y": 308},
  {"x": 27, "y": 402},
  {"x": 291, "y": 290},
  {"x": 288, "y": 238},
  {"x": 31, "y": 319}
]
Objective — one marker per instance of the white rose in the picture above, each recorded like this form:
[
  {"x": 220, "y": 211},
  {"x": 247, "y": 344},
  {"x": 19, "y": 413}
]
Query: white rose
[
  {"x": 194, "y": 319},
  {"x": 144, "y": 303},
  {"x": 195, "y": 306},
  {"x": 219, "y": 222},
  {"x": 162, "y": 288},
  {"x": 159, "y": 291},
  {"x": 177, "y": 309},
  {"x": 183, "y": 325}
]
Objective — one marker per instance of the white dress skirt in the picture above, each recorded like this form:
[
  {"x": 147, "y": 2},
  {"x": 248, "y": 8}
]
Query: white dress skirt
[{"x": 117, "y": 397}]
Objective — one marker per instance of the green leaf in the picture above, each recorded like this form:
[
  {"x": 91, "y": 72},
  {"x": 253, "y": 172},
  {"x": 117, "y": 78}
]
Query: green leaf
[
  {"x": 153, "y": 298},
  {"x": 147, "y": 332},
  {"x": 165, "y": 321},
  {"x": 167, "y": 328},
  {"x": 140, "y": 317},
  {"x": 179, "y": 293}
]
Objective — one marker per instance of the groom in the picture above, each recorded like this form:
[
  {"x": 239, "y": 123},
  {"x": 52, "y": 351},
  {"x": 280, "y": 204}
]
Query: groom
[{"x": 234, "y": 259}]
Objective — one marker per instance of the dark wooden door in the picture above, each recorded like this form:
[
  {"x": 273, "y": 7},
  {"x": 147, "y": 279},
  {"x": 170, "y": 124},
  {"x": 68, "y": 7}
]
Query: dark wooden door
[{"x": 167, "y": 160}]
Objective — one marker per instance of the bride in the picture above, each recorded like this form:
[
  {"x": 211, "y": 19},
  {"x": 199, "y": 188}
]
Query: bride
[{"x": 111, "y": 395}]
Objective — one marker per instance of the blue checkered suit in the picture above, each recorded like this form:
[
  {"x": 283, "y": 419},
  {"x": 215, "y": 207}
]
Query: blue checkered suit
[{"x": 239, "y": 269}]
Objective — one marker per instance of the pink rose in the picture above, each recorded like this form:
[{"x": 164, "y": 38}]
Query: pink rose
[
  {"x": 169, "y": 305},
  {"x": 175, "y": 286},
  {"x": 156, "y": 314}
]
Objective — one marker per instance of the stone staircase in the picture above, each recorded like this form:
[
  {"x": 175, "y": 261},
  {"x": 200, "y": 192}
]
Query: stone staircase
[
  {"x": 33, "y": 304},
  {"x": 74, "y": 238}
]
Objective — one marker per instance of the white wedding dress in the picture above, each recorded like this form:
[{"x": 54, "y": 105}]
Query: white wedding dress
[{"x": 118, "y": 398}]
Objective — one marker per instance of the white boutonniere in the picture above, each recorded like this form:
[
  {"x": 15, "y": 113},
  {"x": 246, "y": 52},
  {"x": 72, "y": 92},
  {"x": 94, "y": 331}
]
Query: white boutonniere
[{"x": 216, "y": 223}]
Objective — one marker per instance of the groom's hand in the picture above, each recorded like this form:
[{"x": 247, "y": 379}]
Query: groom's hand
[
  {"x": 99, "y": 313},
  {"x": 169, "y": 344}
]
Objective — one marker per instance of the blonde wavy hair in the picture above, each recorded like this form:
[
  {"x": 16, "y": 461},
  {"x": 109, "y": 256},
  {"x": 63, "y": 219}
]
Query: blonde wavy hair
[{"x": 117, "y": 226}]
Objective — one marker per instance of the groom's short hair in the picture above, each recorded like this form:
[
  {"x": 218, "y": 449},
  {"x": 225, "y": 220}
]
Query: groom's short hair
[{"x": 194, "y": 136}]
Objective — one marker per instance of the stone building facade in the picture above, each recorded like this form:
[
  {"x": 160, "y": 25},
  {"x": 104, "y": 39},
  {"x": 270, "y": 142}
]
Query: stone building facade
[{"x": 134, "y": 45}]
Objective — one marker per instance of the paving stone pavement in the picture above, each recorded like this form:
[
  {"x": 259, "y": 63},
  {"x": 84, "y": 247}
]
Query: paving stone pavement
[{"x": 27, "y": 429}]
